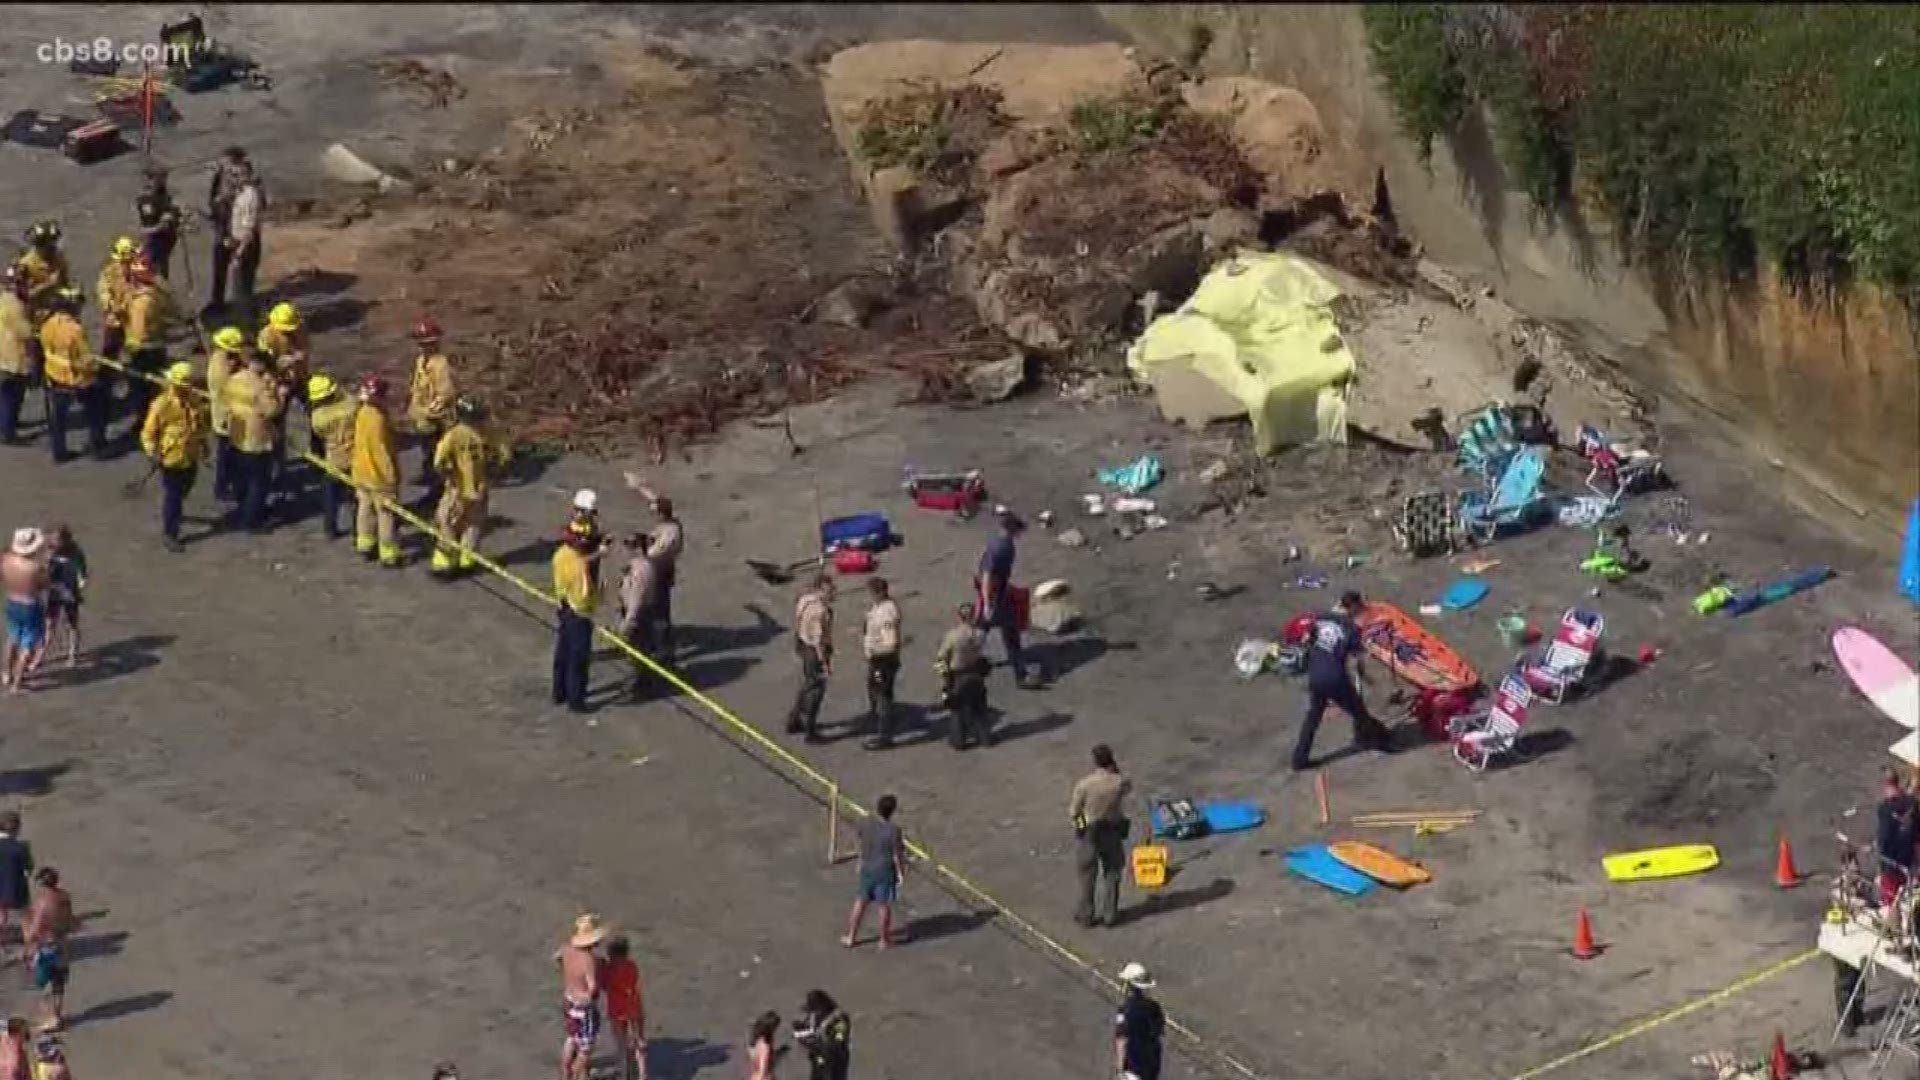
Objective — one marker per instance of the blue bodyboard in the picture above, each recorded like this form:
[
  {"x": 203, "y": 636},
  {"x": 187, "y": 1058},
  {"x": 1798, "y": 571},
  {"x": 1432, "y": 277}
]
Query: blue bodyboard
[
  {"x": 1910, "y": 557},
  {"x": 1315, "y": 863},
  {"x": 1463, "y": 594},
  {"x": 1220, "y": 816},
  {"x": 1779, "y": 590}
]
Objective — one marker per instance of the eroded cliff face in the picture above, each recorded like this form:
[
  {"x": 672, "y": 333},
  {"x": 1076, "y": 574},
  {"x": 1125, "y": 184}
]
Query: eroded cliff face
[{"x": 1831, "y": 389}]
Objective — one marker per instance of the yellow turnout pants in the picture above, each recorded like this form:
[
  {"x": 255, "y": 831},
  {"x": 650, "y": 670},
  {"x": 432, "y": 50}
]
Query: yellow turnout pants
[
  {"x": 460, "y": 520},
  {"x": 373, "y": 524}
]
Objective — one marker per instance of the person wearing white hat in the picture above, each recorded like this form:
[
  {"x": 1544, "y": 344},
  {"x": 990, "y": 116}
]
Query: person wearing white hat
[
  {"x": 25, "y": 576},
  {"x": 586, "y": 507},
  {"x": 1138, "y": 1028},
  {"x": 579, "y": 994}
]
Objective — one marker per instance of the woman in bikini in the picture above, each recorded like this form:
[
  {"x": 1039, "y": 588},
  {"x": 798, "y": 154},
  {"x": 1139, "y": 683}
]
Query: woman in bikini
[{"x": 760, "y": 1049}]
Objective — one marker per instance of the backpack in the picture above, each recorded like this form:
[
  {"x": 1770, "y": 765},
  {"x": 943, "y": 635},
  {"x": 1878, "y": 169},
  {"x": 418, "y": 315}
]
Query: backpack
[{"x": 1180, "y": 819}]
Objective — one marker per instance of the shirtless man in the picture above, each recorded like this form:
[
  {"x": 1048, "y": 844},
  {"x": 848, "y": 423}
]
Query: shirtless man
[
  {"x": 23, "y": 574},
  {"x": 49, "y": 922},
  {"x": 580, "y": 995},
  {"x": 14, "y": 1063}
]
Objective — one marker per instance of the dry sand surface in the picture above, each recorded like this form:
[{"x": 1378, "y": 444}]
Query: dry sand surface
[{"x": 322, "y": 823}]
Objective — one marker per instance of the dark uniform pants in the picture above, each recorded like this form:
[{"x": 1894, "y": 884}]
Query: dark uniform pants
[
  {"x": 805, "y": 714},
  {"x": 966, "y": 697},
  {"x": 246, "y": 271},
  {"x": 222, "y": 258},
  {"x": 335, "y": 496},
  {"x": 253, "y": 477},
  {"x": 1100, "y": 858},
  {"x": 148, "y": 360},
  {"x": 572, "y": 659},
  {"x": 174, "y": 486},
  {"x": 1367, "y": 731},
  {"x": 1009, "y": 625},
  {"x": 644, "y": 638},
  {"x": 428, "y": 438},
  {"x": 663, "y": 614},
  {"x": 92, "y": 401},
  {"x": 13, "y": 394},
  {"x": 882, "y": 671},
  {"x": 226, "y": 475}
]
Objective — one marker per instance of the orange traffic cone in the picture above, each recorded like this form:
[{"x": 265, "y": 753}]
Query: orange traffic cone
[
  {"x": 1583, "y": 946},
  {"x": 1779, "y": 1065},
  {"x": 1784, "y": 873}
]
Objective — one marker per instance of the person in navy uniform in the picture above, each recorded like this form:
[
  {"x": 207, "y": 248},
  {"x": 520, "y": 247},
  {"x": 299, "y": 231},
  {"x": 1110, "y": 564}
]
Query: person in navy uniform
[
  {"x": 1138, "y": 1028},
  {"x": 1332, "y": 647}
]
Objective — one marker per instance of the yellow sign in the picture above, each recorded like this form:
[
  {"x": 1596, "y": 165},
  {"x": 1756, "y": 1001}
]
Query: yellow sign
[{"x": 1150, "y": 866}]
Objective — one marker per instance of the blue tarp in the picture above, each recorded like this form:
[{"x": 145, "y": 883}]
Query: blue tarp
[{"x": 1910, "y": 557}]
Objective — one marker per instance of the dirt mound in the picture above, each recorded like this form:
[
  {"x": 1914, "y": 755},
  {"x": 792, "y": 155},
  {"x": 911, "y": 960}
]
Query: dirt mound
[
  {"x": 1093, "y": 184},
  {"x": 1277, "y": 129},
  {"x": 645, "y": 263}
]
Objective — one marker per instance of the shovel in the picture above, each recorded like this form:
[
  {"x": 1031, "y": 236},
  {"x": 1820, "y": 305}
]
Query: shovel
[
  {"x": 777, "y": 574},
  {"x": 132, "y": 488}
]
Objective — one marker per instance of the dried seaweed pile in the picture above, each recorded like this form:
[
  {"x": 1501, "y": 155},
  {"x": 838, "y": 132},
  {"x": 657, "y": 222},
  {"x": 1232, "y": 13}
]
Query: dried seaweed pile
[{"x": 650, "y": 272}]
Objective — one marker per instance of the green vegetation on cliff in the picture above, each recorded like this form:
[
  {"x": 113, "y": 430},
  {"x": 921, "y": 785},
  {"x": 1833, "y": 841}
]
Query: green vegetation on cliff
[{"x": 1713, "y": 136}]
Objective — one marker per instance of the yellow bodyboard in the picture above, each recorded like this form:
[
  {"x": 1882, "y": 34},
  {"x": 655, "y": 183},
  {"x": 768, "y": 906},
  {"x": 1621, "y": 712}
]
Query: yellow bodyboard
[{"x": 1661, "y": 862}]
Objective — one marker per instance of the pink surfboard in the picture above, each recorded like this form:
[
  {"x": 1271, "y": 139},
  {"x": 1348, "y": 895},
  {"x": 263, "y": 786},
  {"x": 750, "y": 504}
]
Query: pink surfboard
[{"x": 1885, "y": 678}]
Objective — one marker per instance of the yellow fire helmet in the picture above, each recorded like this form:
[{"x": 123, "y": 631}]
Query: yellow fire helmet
[
  {"x": 180, "y": 373},
  {"x": 124, "y": 249},
  {"x": 284, "y": 317},
  {"x": 320, "y": 388},
  {"x": 228, "y": 338}
]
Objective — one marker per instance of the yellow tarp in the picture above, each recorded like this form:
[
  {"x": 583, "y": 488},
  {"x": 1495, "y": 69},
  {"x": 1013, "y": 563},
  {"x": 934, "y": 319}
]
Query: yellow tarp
[{"x": 1260, "y": 330}]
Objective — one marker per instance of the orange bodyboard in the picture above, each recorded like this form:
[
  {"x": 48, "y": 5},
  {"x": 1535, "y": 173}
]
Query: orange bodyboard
[{"x": 1379, "y": 864}]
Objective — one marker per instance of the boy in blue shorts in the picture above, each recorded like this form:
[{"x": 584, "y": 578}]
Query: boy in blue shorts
[{"x": 883, "y": 863}]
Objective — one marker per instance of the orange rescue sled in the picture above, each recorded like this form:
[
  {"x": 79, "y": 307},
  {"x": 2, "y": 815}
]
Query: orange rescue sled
[{"x": 1404, "y": 646}]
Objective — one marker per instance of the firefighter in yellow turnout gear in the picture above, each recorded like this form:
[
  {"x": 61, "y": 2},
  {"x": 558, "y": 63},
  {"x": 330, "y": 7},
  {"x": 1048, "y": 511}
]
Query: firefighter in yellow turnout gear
[
  {"x": 111, "y": 290},
  {"x": 73, "y": 377},
  {"x": 254, "y": 404},
  {"x": 148, "y": 315},
  {"x": 462, "y": 459},
  {"x": 44, "y": 269},
  {"x": 284, "y": 342},
  {"x": 430, "y": 395},
  {"x": 18, "y": 348},
  {"x": 175, "y": 437},
  {"x": 330, "y": 419},
  {"x": 376, "y": 476},
  {"x": 225, "y": 359}
]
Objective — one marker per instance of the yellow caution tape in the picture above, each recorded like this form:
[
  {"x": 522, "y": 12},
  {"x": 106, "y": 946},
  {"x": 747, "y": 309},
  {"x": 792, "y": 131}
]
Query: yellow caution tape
[
  {"x": 1739, "y": 986},
  {"x": 829, "y": 789}
]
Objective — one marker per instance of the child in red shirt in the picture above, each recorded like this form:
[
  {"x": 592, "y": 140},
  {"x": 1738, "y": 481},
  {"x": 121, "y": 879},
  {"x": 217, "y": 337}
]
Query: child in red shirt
[{"x": 626, "y": 1014}]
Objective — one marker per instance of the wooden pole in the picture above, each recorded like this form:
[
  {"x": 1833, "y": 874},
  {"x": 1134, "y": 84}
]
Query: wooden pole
[
  {"x": 1320, "y": 790},
  {"x": 833, "y": 824},
  {"x": 146, "y": 113}
]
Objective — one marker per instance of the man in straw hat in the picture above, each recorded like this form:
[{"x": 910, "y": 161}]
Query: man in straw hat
[
  {"x": 1137, "y": 1028},
  {"x": 580, "y": 994},
  {"x": 23, "y": 573}
]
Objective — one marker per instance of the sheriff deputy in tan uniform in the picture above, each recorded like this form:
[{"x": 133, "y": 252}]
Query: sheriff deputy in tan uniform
[
  {"x": 1098, "y": 811},
  {"x": 813, "y": 640}
]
